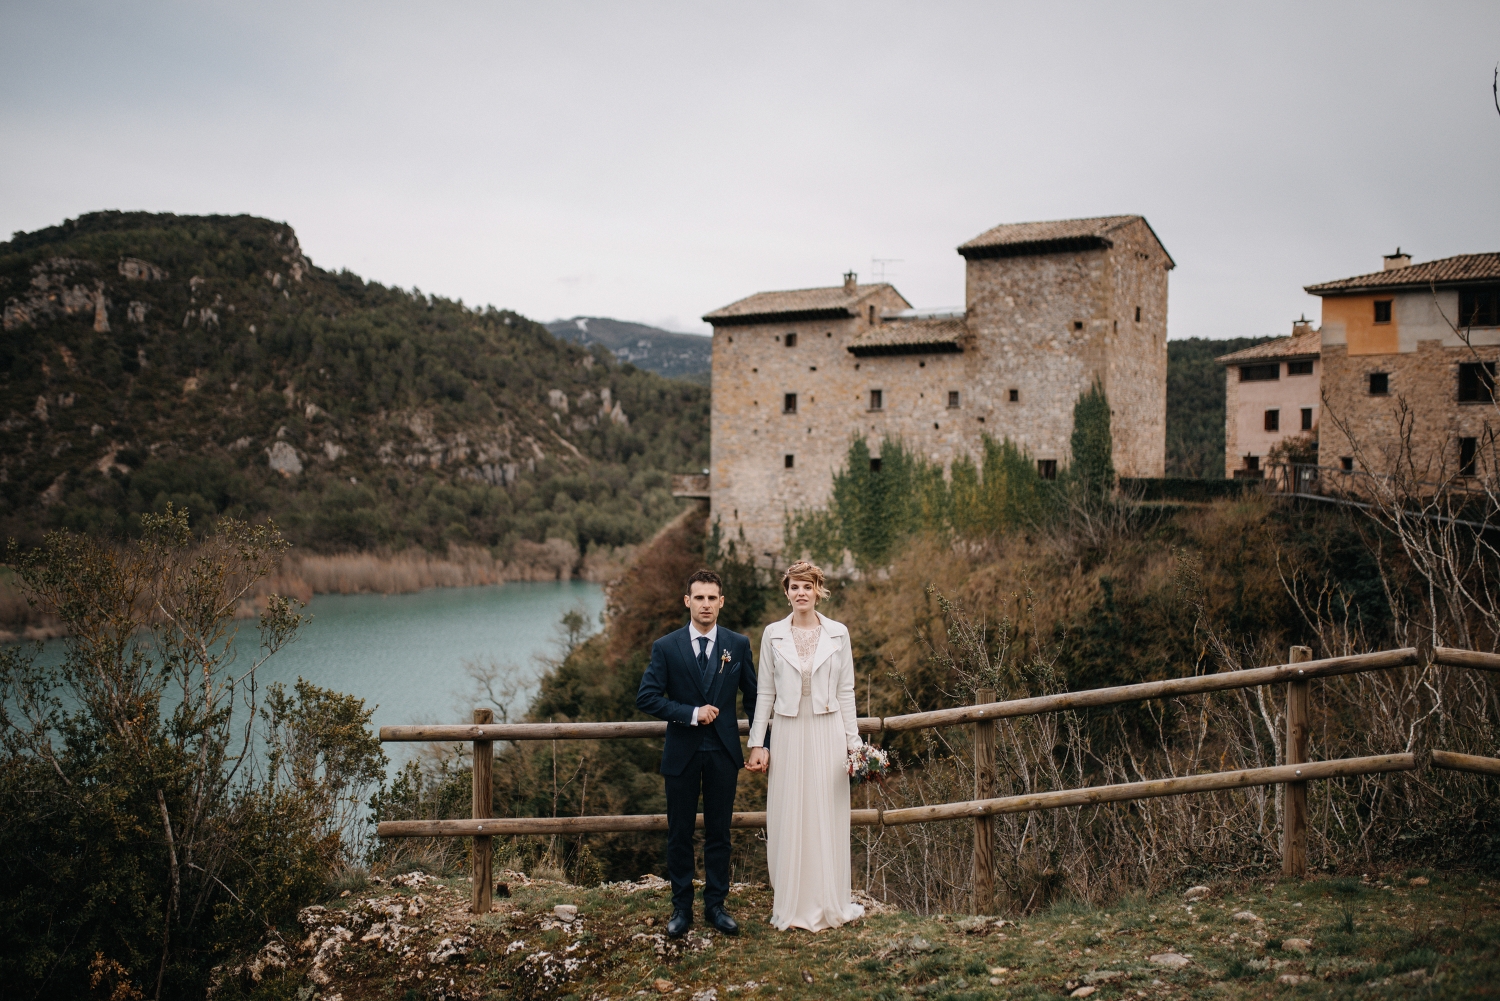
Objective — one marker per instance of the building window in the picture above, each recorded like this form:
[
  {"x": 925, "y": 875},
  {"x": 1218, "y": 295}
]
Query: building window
[
  {"x": 1137, "y": 314},
  {"x": 1346, "y": 463},
  {"x": 789, "y": 461},
  {"x": 1479, "y": 306},
  {"x": 872, "y": 315},
  {"x": 1307, "y": 418},
  {"x": 1260, "y": 373},
  {"x": 1252, "y": 462},
  {"x": 1476, "y": 382},
  {"x": 1273, "y": 420},
  {"x": 877, "y": 399},
  {"x": 1382, "y": 311},
  {"x": 1380, "y": 383},
  {"x": 789, "y": 403},
  {"x": 1299, "y": 367},
  {"x": 1468, "y": 454},
  {"x": 1015, "y": 396},
  {"x": 875, "y": 464},
  {"x": 952, "y": 399},
  {"x": 1046, "y": 468},
  {"x": 790, "y": 341}
]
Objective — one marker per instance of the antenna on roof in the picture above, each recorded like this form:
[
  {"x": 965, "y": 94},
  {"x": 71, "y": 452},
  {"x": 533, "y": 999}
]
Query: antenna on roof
[{"x": 877, "y": 267}]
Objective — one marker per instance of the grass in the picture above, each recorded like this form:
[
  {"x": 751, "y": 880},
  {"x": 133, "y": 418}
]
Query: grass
[{"x": 1370, "y": 938}]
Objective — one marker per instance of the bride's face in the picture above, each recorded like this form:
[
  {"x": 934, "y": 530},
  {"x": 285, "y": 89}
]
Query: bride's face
[{"x": 803, "y": 593}]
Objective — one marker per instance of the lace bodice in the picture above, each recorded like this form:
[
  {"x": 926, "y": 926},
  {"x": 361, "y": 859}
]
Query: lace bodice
[{"x": 806, "y": 641}]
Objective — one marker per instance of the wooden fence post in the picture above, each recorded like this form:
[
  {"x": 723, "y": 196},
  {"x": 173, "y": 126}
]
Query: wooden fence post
[
  {"x": 984, "y": 827},
  {"x": 484, "y": 750},
  {"x": 1294, "y": 799}
]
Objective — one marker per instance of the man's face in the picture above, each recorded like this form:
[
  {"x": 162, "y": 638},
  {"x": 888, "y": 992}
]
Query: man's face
[{"x": 703, "y": 602}]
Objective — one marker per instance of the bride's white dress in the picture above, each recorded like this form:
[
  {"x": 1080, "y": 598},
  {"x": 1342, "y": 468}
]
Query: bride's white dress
[{"x": 807, "y": 800}]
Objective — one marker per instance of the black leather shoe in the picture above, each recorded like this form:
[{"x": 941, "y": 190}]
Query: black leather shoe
[
  {"x": 680, "y": 922},
  {"x": 720, "y": 919}
]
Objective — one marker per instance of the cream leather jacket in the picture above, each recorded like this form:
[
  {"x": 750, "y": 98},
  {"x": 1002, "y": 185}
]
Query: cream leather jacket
[{"x": 779, "y": 678}]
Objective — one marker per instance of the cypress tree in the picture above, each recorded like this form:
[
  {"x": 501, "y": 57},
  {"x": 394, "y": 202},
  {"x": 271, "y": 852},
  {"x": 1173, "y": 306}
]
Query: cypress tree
[{"x": 1093, "y": 447}]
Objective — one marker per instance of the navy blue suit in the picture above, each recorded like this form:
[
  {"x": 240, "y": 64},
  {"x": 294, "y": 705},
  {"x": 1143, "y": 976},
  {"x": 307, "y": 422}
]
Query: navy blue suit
[{"x": 702, "y": 759}]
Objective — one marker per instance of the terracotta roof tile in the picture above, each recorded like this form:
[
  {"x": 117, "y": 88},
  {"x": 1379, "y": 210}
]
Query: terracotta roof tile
[
  {"x": 1041, "y": 237},
  {"x": 1444, "y": 271},
  {"x": 834, "y": 302},
  {"x": 928, "y": 335},
  {"x": 1040, "y": 232},
  {"x": 1304, "y": 345}
]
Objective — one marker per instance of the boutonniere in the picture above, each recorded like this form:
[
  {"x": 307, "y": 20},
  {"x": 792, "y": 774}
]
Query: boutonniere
[{"x": 724, "y": 659}]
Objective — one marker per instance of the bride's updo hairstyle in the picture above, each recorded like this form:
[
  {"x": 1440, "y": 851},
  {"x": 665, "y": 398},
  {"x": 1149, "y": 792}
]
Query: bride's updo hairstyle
[{"x": 805, "y": 571}]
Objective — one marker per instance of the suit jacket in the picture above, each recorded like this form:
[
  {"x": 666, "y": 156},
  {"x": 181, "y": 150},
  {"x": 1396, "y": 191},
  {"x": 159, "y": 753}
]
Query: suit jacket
[
  {"x": 780, "y": 683},
  {"x": 672, "y": 687}
]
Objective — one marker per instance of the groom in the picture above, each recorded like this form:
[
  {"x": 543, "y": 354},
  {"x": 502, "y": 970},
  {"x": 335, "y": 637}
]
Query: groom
[{"x": 691, "y": 684}]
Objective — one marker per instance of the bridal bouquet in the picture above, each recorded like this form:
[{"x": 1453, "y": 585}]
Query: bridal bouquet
[{"x": 868, "y": 763}]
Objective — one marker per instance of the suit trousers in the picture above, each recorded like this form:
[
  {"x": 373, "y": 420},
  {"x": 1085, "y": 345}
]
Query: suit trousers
[{"x": 713, "y": 774}]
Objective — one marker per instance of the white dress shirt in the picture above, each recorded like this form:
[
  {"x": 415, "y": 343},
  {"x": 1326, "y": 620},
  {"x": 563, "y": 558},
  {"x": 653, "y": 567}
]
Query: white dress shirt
[{"x": 713, "y": 638}]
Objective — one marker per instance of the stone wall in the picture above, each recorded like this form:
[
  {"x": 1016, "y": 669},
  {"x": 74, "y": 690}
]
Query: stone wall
[
  {"x": 750, "y": 486},
  {"x": 1136, "y": 373},
  {"x": 1049, "y": 325},
  {"x": 1423, "y": 387}
]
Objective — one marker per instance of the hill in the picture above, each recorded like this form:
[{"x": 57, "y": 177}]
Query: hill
[
  {"x": 677, "y": 356},
  {"x": 1195, "y": 405},
  {"x": 206, "y": 361}
]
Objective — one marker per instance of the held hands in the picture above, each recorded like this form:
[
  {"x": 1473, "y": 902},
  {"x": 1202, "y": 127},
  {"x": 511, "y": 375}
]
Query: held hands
[
  {"x": 707, "y": 714},
  {"x": 760, "y": 760}
]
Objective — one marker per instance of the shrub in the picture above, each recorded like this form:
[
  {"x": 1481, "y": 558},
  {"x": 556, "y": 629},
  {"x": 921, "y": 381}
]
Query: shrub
[{"x": 141, "y": 832}]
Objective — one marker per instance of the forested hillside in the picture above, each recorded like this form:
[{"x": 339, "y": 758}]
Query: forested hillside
[{"x": 207, "y": 361}]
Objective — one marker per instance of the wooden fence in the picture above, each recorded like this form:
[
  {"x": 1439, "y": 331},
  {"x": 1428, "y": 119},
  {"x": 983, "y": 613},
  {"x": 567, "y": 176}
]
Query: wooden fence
[{"x": 1297, "y": 675}]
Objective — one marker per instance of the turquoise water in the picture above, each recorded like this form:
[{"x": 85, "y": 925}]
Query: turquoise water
[{"x": 405, "y": 654}]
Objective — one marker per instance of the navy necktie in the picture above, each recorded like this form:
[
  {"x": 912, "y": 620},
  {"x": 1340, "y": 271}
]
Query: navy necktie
[{"x": 703, "y": 660}]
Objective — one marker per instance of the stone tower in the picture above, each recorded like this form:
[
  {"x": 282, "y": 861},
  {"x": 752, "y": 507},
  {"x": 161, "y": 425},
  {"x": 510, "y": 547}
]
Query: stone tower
[{"x": 1050, "y": 308}]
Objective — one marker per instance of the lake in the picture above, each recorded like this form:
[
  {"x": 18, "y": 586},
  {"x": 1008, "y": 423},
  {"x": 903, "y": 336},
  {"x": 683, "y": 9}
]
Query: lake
[{"x": 404, "y": 654}]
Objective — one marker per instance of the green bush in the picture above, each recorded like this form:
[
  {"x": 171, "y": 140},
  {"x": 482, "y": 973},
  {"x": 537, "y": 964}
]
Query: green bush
[{"x": 157, "y": 813}]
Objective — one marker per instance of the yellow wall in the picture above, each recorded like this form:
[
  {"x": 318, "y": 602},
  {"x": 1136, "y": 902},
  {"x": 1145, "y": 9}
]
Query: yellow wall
[{"x": 1356, "y": 314}]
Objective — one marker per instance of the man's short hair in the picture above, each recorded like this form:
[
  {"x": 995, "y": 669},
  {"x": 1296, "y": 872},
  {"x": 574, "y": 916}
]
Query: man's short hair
[{"x": 704, "y": 577}]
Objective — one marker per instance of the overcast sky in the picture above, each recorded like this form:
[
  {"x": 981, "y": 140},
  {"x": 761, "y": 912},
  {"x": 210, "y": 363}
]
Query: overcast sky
[{"x": 653, "y": 161}]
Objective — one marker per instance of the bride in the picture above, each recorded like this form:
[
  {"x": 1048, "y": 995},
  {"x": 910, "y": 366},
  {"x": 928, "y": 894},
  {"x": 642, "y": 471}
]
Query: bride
[{"x": 807, "y": 672}]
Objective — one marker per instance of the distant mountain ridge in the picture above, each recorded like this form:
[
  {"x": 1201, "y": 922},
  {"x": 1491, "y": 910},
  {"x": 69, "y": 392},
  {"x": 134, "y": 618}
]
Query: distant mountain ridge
[{"x": 676, "y": 356}]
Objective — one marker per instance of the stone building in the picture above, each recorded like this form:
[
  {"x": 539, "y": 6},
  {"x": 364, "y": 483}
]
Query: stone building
[
  {"x": 1270, "y": 395},
  {"x": 1412, "y": 343},
  {"x": 1050, "y": 308}
]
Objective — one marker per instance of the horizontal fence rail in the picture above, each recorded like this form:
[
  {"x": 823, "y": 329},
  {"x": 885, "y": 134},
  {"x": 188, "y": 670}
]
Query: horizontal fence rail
[
  {"x": 466, "y": 828},
  {"x": 1154, "y": 788},
  {"x": 553, "y": 731},
  {"x": 1456, "y": 762},
  {"x": 1294, "y": 775},
  {"x": 1091, "y": 699},
  {"x": 1087, "y": 796}
]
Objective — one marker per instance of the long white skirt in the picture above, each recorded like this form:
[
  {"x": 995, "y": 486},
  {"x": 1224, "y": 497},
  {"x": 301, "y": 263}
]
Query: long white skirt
[{"x": 807, "y": 822}]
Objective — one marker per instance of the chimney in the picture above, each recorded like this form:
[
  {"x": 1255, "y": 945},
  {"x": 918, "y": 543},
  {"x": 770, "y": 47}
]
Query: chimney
[
  {"x": 1302, "y": 326},
  {"x": 1396, "y": 260},
  {"x": 851, "y": 281}
]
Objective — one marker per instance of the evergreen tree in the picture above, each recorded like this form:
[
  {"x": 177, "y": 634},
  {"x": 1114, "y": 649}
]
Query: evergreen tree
[{"x": 1093, "y": 460}]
